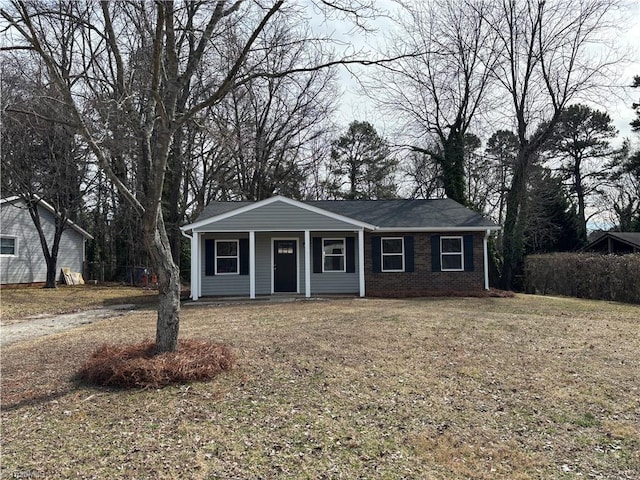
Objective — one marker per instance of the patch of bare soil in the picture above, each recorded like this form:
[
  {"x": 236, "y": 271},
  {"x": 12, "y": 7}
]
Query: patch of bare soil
[
  {"x": 45, "y": 324},
  {"x": 21, "y": 304}
]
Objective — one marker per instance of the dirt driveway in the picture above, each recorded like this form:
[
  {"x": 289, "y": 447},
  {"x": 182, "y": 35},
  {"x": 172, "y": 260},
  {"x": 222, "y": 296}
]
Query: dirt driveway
[{"x": 42, "y": 325}]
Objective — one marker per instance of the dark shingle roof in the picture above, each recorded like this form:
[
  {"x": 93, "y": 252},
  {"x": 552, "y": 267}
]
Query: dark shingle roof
[
  {"x": 432, "y": 213},
  {"x": 218, "y": 208},
  {"x": 406, "y": 213},
  {"x": 630, "y": 238}
]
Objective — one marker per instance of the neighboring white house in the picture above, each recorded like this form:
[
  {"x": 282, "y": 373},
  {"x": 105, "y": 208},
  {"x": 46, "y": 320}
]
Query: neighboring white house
[{"x": 21, "y": 257}]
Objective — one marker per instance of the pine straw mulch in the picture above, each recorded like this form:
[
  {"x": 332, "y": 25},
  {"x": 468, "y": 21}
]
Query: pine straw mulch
[
  {"x": 129, "y": 366},
  {"x": 440, "y": 388}
]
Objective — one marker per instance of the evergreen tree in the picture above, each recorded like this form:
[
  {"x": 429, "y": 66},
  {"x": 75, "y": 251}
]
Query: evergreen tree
[
  {"x": 552, "y": 223},
  {"x": 635, "y": 123},
  {"x": 361, "y": 165},
  {"x": 580, "y": 141}
]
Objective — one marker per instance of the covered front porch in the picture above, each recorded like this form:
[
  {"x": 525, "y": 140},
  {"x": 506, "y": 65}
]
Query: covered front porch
[{"x": 256, "y": 263}]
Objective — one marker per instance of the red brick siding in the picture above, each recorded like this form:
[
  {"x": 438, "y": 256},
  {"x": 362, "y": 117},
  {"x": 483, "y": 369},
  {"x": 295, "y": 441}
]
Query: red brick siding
[{"x": 422, "y": 279}]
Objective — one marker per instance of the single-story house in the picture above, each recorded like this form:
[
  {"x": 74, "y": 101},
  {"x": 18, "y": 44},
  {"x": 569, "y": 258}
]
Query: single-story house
[
  {"x": 360, "y": 247},
  {"x": 613, "y": 242},
  {"x": 21, "y": 257}
]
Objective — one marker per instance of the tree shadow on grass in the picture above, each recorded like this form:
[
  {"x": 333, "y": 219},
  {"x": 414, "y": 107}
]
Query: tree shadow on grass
[
  {"x": 19, "y": 400},
  {"x": 147, "y": 300}
]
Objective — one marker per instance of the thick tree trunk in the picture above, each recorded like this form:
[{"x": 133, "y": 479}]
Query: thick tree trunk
[
  {"x": 513, "y": 233},
  {"x": 453, "y": 168},
  {"x": 582, "y": 216},
  {"x": 173, "y": 180},
  {"x": 168, "y": 322},
  {"x": 50, "y": 256},
  {"x": 52, "y": 263}
]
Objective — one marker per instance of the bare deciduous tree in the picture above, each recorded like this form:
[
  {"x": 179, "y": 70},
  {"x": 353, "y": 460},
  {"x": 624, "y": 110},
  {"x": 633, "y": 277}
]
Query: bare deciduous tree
[
  {"x": 439, "y": 90},
  {"x": 134, "y": 63},
  {"x": 41, "y": 158},
  {"x": 551, "y": 52}
]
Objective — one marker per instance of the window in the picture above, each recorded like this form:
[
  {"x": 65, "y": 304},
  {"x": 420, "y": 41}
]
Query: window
[
  {"x": 393, "y": 254},
  {"x": 451, "y": 254},
  {"x": 227, "y": 258},
  {"x": 285, "y": 248},
  {"x": 8, "y": 246},
  {"x": 333, "y": 254}
]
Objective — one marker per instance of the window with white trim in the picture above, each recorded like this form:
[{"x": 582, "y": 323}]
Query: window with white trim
[
  {"x": 227, "y": 257},
  {"x": 333, "y": 255},
  {"x": 451, "y": 254},
  {"x": 392, "y": 254},
  {"x": 8, "y": 246}
]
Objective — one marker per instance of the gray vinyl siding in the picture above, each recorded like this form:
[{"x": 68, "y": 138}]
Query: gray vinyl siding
[
  {"x": 335, "y": 282},
  {"x": 28, "y": 265},
  {"x": 286, "y": 217},
  {"x": 263, "y": 264},
  {"x": 238, "y": 285},
  {"x": 222, "y": 285}
]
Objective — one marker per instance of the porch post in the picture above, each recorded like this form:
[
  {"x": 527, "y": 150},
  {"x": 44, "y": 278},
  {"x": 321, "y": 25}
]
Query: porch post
[
  {"x": 252, "y": 264},
  {"x": 195, "y": 263},
  {"x": 361, "y": 261},
  {"x": 307, "y": 264}
]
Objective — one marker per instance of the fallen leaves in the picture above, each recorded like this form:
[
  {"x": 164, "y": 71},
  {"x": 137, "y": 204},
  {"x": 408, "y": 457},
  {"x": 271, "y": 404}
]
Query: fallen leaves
[{"x": 435, "y": 388}]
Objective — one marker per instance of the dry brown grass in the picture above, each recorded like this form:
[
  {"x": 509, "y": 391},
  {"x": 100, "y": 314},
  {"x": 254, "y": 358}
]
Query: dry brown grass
[
  {"x": 19, "y": 303},
  {"x": 482, "y": 388},
  {"x": 137, "y": 365}
]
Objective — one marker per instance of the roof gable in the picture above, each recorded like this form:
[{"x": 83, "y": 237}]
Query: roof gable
[
  {"x": 631, "y": 239},
  {"x": 41, "y": 203}
]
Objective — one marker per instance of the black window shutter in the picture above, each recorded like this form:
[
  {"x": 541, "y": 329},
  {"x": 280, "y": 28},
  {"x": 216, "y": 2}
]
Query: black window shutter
[
  {"x": 435, "y": 253},
  {"x": 244, "y": 256},
  {"x": 376, "y": 252},
  {"x": 408, "y": 254},
  {"x": 317, "y": 254},
  {"x": 468, "y": 253},
  {"x": 351, "y": 254},
  {"x": 209, "y": 256}
]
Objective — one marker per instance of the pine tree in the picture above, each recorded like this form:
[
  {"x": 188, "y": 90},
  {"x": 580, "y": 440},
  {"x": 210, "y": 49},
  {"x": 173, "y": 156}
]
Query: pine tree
[{"x": 361, "y": 165}]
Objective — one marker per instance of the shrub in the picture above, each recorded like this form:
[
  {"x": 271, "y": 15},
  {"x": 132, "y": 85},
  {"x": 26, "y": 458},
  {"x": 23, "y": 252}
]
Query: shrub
[
  {"x": 585, "y": 275},
  {"x": 135, "y": 366}
]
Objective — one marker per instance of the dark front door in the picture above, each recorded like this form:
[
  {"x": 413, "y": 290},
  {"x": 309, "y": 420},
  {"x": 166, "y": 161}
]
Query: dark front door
[{"x": 285, "y": 266}]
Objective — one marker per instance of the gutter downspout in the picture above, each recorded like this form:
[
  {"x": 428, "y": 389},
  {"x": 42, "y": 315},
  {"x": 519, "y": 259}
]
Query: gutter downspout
[{"x": 485, "y": 249}]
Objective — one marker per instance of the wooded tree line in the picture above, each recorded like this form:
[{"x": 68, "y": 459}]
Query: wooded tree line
[{"x": 129, "y": 117}]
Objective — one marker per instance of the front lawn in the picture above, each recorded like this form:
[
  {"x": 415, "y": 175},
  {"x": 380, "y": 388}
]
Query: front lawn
[
  {"x": 514, "y": 388},
  {"x": 20, "y": 303}
]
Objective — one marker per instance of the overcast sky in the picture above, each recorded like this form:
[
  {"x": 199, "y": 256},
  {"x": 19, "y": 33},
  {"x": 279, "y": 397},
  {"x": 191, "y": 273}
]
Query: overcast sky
[{"x": 355, "y": 106}]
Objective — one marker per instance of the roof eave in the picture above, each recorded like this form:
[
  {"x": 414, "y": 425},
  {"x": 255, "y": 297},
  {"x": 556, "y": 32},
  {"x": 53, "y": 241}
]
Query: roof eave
[
  {"x": 476, "y": 228},
  {"x": 607, "y": 236}
]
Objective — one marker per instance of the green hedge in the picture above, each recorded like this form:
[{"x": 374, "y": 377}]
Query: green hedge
[{"x": 585, "y": 275}]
